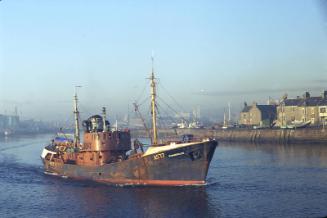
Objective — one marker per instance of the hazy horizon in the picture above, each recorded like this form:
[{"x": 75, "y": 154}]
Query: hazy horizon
[{"x": 206, "y": 53}]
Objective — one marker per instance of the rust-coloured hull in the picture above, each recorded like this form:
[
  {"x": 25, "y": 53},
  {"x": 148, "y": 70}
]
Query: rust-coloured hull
[{"x": 180, "y": 166}]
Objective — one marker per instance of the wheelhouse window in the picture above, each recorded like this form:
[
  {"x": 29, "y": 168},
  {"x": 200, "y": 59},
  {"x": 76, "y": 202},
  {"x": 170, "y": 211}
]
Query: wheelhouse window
[{"x": 48, "y": 156}]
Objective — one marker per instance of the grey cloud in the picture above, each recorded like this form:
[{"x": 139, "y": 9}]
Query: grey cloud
[{"x": 298, "y": 90}]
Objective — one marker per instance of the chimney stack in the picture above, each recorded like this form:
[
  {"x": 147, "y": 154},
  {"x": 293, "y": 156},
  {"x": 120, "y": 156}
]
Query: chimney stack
[
  {"x": 324, "y": 95},
  {"x": 306, "y": 95}
]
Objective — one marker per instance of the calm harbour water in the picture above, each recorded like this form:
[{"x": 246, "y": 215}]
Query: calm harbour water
[{"x": 244, "y": 180}]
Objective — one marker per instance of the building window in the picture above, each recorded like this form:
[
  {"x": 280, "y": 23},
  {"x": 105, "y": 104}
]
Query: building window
[{"x": 323, "y": 110}]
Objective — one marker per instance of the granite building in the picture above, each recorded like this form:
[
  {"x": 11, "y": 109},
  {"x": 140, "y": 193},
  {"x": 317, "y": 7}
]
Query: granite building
[
  {"x": 257, "y": 115},
  {"x": 303, "y": 109}
]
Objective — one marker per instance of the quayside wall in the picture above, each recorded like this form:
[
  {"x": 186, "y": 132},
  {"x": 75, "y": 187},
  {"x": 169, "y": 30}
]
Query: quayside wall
[{"x": 296, "y": 136}]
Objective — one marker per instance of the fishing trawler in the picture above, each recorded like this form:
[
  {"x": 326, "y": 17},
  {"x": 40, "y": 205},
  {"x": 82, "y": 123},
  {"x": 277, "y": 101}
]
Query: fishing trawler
[{"x": 107, "y": 155}]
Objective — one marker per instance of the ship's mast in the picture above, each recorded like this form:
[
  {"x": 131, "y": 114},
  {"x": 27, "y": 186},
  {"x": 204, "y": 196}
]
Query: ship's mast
[
  {"x": 225, "y": 122},
  {"x": 104, "y": 117},
  {"x": 153, "y": 106},
  {"x": 76, "y": 113},
  {"x": 228, "y": 113}
]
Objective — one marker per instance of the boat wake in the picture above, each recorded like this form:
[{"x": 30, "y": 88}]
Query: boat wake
[
  {"x": 21, "y": 145},
  {"x": 51, "y": 173},
  {"x": 14, "y": 172},
  {"x": 211, "y": 182}
]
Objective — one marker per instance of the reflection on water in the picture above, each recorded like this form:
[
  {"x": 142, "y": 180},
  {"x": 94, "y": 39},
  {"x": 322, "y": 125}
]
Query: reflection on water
[
  {"x": 137, "y": 201},
  {"x": 293, "y": 154},
  {"x": 245, "y": 180}
]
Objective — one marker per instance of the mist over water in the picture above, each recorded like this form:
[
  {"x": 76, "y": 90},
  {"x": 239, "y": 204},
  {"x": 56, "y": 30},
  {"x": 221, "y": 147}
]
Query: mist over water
[{"x": 244, "y": 180}]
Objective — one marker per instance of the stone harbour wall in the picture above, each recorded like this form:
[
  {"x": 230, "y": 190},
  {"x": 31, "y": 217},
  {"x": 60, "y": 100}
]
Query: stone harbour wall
[{"x": 296, "y": 136}]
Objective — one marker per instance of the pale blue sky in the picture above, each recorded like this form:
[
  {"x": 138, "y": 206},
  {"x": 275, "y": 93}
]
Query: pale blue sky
[{"x": 47, "y": 47}]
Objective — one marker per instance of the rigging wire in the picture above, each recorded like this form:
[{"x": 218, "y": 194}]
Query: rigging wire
[
  {"x": 162, "y": 122},
  {"x": 166, "y": 114},
  {"x": 159, "y": 120},
  {"x": 184, "y": 119},
  {"x": 68, "y": 122},
  {"x": 143, "y": 91},
  {"x": 175, "y": 101},
  {"x": 143, "y": 101}
]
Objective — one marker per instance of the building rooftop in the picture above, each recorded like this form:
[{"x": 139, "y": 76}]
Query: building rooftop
[
  {"x": 246, "y": 108},
  {"x": 311, "y": 101},
  {"x": 267, "y": 111}
]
